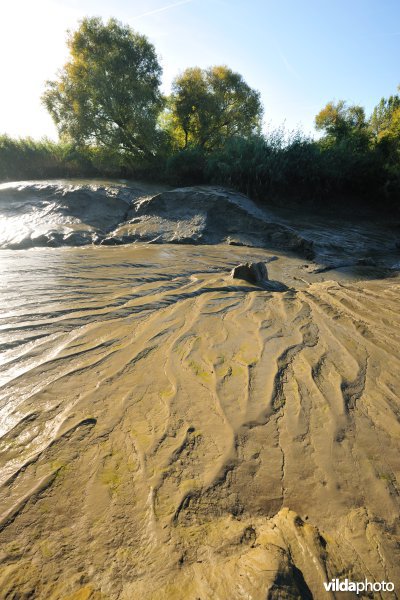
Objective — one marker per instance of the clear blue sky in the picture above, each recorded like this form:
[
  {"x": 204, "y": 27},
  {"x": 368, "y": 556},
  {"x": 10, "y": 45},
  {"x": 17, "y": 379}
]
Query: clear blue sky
[{"x": 298, "y": 54}]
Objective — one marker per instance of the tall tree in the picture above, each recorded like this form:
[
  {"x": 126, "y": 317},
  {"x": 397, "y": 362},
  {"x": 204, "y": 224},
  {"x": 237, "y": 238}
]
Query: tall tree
[
  {"x": 344, "y": 125},
  {"x": 385, "y": 118},
  {"x": 108, "y": 92},
  {"x": 208, "y": 106},
  {"x": 385, "y": 126},
  {"x": 340, "y": 120}
]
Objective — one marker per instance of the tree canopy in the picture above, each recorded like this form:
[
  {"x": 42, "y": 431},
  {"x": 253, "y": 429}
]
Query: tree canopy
[
  {"x": 385, "y": 118},
  {"x": 108, "y": 92},
  {"x": 208, "y": 106},
  {"x": 339, "y": 119},
  {"x": 347, "y": 124}
]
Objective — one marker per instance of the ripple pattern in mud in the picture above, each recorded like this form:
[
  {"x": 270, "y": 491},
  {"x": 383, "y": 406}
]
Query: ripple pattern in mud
[{"x": 166, "y": 433}]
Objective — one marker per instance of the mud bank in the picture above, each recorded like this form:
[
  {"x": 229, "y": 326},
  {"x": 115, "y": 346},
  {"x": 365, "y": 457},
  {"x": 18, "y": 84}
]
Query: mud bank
[
  {"x": 65, "y": 213},
  {"x": 73, "y": 214},
  {"x": 168, "y": 432}
]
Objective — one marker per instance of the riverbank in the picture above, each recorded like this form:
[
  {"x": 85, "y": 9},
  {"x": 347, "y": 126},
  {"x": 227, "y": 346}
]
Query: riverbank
[{"x": 169, "y": 432}]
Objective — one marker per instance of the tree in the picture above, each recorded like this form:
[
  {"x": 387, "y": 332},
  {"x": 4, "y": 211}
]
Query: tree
[
  {"x": 344, "y": 126},
  {"x": 208, "y": 106},
  {"x": 340, "y": 120},
  {"x": 385, "y": 126},
  {"x": 385, "y": 118},
  {"x": 108, "y": 93}
]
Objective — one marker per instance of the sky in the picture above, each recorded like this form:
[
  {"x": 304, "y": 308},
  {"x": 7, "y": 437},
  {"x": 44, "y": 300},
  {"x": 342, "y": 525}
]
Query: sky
[{"x": 299, "y": 54}]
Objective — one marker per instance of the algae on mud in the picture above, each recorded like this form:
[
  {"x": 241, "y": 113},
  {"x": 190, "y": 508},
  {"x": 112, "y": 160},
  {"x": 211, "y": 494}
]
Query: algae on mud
[{"x": 168, "y": 432}]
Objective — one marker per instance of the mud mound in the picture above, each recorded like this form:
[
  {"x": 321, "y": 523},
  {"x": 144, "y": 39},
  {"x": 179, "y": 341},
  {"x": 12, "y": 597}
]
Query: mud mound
[
  {"x": 206, "y": 215},
  {"x": 67, "y": 214},
  {"x": 60, "y": 214}
]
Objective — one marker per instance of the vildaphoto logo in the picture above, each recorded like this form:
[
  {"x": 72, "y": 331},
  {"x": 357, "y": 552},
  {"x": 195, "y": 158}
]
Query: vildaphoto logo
[{"x": 335, "y": 585}]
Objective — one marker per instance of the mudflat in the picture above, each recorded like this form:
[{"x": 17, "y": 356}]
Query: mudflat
[{"x": 170, "y": 432}]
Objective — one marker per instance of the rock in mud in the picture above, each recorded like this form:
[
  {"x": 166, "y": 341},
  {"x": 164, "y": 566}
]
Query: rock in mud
[
  {"x": 257, "y": 273},
  {"x": 252, "y": 272}
]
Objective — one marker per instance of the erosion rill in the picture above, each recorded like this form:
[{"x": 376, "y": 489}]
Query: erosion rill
[{"x": 169, "y": 432}]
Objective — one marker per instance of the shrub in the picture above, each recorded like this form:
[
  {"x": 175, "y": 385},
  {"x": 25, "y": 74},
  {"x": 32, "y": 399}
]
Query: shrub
[
  {"x": 186, "y": 167},
  {"x": 29, "y": 159}
]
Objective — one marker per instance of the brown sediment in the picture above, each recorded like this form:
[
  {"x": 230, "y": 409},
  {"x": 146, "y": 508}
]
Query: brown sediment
[{"x": 168, "y": 432}]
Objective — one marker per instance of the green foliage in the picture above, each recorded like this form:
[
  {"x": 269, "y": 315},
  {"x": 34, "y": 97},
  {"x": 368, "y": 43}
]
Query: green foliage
[
  {"x": 187, "y": 167},
  {"x": 385, "y": 126},
  {"x": 264, "y": 167},
  {"x": 294, "y": 168},
  {"x": 107, "y": 106},
  {"x": 209, "y": 106},
  {"x": 26, "y": 158},
  {"x": 272, "y": 167},
  {"x": 108, "y": 93},
  {"x": 385, "y": 118},
  {"x": 342, "y": 122},
  {"x": 30, "y": 159}
]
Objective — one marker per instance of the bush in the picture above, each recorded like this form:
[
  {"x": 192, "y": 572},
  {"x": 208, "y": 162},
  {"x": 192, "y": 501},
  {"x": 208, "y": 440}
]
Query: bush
[
  {"x": 283, "y": 168},
  {"x": 276, "y": 168},
  {"x": 186, "y": 167},
  {"x": 30, "y": 159},
  {"x": 268, "y": 168}
]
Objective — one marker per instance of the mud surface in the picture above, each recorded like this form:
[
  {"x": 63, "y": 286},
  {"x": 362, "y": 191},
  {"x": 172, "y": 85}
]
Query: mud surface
[
  {"x": 170, "y": 432},
  {"x": 78, "y": 213}
]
